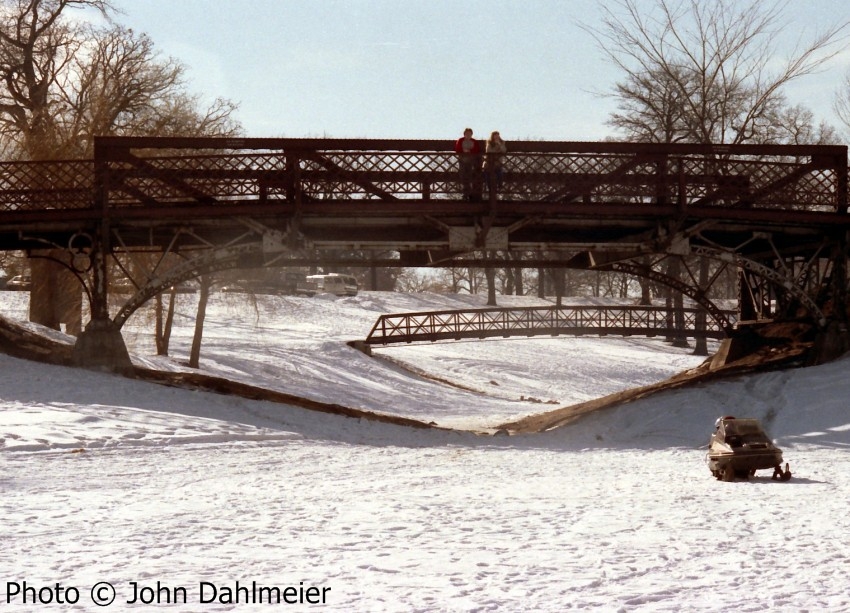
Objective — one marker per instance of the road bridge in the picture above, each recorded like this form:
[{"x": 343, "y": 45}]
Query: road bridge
[{"x": 168, "y": 209}]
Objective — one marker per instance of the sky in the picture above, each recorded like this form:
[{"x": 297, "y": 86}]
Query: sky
[{"x": 420, "y": 68}]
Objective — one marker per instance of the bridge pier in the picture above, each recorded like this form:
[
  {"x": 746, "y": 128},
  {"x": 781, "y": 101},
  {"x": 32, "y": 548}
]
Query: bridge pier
[
  {"x": 101, "y": 347},
  {"x": 831, "y": 343}
]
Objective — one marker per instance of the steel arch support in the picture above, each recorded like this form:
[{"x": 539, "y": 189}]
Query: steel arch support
[
  {"x": 772, "y": 275},
  {"x": 209, "y": 261},
  {"x": 695, "y": 294}
]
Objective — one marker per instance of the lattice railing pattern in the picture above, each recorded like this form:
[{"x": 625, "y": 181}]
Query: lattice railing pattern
[
  {"x": 203, "y": 178},
  {"x": 46, "y": 185},
  {"x": 626, "y": 175},
  {"x": 557, "y": 177},
  {"x": 531, "y": 321}
]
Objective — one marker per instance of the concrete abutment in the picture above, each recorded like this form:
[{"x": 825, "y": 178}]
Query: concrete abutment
[{"x": 101, "y": 347}]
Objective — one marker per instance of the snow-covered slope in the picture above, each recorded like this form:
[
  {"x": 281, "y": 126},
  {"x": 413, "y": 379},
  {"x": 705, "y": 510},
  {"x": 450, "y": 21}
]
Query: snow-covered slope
[{"x": 106, "y": 479}]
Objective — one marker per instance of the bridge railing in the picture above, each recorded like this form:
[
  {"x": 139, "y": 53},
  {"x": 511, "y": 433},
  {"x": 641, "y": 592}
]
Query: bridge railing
[
  {"x": 136, "y": 172},
  {"x": 538, "y": 321},
  {"x": 812, "y": 178},
  {"x": 66, "y": 184}
]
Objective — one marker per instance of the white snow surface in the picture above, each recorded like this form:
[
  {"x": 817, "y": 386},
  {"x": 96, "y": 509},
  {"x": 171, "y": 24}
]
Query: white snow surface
[{"x": 181, "y": 494}]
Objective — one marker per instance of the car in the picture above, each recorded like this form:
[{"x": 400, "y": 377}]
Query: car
[
  {"x": 122, "y": 286},
  {"x": 739, "y": 447},
  {"x": 186, "y": 287},
  {"x": 331, "y": 283},
  {"x": 20, "y": 283}
]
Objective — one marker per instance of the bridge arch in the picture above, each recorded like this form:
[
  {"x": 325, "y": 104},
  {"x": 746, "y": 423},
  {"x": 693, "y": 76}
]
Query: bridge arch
[
  {"x": 235, "y": 256},
  {"x": 211, "y": 260},
  {"x": 694, "y": 293},
  {"x": 772, "y": 275}
]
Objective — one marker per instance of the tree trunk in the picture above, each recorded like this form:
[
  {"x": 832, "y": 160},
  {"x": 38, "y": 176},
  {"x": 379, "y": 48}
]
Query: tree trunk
[
  {"x": 559, "y": 282},
  {"x": 645, "y": 286},
  {"x": 203, "y": 297},
  {"x": 701, "y": 347},
  {"x": 679, "y": 340},
  {"x": 490, "y": 273},
  {"x": 509, "y": 281},
  {"x": 163, "y": 328}
]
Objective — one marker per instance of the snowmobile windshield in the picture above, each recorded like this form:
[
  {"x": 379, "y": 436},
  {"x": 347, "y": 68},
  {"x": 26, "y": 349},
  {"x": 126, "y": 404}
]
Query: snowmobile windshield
[
  {"x": 742, "y": 427},
  {"x": 744, "y": 432}
]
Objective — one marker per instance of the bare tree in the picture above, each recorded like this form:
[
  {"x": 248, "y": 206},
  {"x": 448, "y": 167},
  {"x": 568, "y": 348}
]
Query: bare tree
[
  {"x": 707, "y": 72},
  {"x": 460, "y": 279},
  {"x": 164, "y": 322},
  {"x": 122, "y": 87},
  {"x": 490, "y": 276},
  {"x": 412, "y": 280},
  {"x": 651, "y": 109},
  {"x": 841, "y": 104},
  {"x": 37, "y": 46},
  {"x": 63, "y": 81},
  {"x": 704, "y": 72}
]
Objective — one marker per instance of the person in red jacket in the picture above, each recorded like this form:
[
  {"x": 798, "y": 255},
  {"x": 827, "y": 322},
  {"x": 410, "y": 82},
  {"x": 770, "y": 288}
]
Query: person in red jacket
[{"x": 469, "y": 165}]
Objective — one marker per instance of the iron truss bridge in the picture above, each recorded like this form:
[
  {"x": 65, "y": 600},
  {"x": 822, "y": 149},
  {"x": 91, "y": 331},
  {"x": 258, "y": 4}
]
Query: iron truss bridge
[
  {"x": 650, "y": 321},
  {"x": 406, "y": 195},
  {"x": 168, "y": 209}
]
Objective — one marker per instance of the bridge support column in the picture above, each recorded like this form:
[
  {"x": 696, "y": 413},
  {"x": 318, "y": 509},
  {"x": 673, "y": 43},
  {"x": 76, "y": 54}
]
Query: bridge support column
[
  {"x": 100, "y": 346},
  {"x": 55, "y": 298},
  {"x": 833, "y": 340}
]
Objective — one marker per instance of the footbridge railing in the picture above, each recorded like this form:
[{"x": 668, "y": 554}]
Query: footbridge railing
[
  {"x": 316, "y": 173},
  {"x": 552, "y": 321}
]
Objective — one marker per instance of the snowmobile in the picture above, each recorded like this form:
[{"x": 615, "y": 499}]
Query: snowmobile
[{"x": 740, "y": 447}]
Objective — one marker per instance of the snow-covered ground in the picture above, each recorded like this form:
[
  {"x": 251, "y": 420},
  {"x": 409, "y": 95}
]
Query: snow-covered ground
[{"x": 158, "y": 492}]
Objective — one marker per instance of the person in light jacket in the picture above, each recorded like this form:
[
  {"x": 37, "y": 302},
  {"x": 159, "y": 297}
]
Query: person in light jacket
[{"x": 495, "y": 153}]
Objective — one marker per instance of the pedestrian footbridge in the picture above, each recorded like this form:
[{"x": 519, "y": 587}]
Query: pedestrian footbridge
[{"x": 573, "y": 320}]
